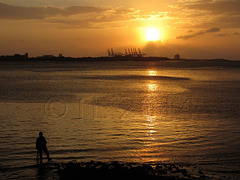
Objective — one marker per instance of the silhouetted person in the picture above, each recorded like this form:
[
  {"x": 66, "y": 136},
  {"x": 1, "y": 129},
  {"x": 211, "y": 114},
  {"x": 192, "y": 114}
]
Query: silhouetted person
[{"x": 41, "y": 146}]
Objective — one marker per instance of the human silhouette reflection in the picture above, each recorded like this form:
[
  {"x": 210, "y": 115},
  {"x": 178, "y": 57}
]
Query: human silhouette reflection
[{"x": 41, "y": 146}]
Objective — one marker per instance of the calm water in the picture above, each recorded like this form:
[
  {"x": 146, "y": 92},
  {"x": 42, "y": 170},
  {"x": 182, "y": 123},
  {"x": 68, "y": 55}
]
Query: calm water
[{"x": 170, "y": 112}]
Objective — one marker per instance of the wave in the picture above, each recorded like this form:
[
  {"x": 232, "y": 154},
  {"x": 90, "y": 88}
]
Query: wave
[{"x": 133, "y": 77}]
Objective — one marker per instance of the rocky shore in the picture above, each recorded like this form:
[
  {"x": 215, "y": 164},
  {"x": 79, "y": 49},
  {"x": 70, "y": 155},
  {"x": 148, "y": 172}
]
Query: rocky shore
[
  {"x": 118, "y": 170},
  {"x": 111, "y": 170}
]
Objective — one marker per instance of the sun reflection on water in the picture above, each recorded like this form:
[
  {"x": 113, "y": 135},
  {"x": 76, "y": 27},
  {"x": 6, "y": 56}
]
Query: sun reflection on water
[
  {"x": 153, "y": 109},
  {"x": 152, "y": 73},
  {"x": 151, "y": 122},
  {"x": 148, "y": 152},
  {"x": 152, "y": 87}
]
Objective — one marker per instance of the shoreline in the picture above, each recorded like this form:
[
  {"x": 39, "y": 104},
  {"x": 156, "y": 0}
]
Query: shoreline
[
  {"x": 112, "y": 170},
  {"x": 115, "y": 169},
  {"x": 25, "y": 58}
]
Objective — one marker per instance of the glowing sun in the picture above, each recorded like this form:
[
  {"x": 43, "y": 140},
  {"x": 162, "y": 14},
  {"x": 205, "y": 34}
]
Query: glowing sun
[{"x": 152, "y": 34}]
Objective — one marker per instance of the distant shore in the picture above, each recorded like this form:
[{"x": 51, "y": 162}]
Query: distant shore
[
  {"x": 111, "y": 62},
  {"x": 18, "y": 57}
]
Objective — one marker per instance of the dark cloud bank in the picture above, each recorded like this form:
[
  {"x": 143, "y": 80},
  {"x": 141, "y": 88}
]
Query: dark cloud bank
[
  {"x": 217, "y": 7},
  {"x": 226, "y": 13},
  {"x": 21, "y": 13},
  {"x": 211, "y": 30}
]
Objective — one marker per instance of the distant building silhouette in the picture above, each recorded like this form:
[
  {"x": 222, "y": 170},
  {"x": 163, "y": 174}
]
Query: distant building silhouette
[
  {"x": 15, "y": 57},
  {"x": 47, "y": 56},
  {"x": 25, "y": 56},
  {"x": 177, "y": 56}
]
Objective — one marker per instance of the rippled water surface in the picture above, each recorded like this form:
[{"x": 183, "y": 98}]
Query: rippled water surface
[{"x": 176, "y": 112}]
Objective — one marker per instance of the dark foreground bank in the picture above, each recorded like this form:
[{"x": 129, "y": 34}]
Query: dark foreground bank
[
  {"x": 108, "y": 170},
  {"x": 117, "y": 170}
]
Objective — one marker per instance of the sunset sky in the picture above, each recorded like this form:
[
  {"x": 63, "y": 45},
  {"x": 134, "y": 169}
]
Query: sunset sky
[{"x": 192, "y": 28}]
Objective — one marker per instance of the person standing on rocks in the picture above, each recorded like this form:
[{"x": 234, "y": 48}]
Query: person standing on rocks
[{"x": 41, "y": 145}]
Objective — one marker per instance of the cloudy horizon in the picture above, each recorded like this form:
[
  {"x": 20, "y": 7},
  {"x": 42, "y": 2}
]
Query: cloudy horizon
[{"x": 192, "y": 28}]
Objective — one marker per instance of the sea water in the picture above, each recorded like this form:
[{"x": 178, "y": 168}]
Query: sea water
[{"x": 147, "y": 112}]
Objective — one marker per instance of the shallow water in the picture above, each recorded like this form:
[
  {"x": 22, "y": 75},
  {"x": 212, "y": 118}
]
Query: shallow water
[{"x": 169, "y": 112}]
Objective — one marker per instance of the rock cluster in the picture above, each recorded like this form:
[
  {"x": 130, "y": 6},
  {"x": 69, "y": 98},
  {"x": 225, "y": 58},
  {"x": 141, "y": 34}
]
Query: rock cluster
[{"x": 117, "y": 170}]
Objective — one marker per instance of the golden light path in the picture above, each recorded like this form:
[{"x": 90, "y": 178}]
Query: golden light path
[{"x": 150, "y": 150}]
